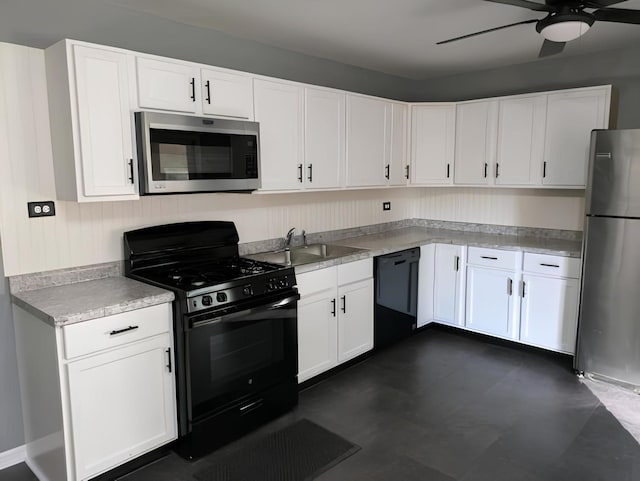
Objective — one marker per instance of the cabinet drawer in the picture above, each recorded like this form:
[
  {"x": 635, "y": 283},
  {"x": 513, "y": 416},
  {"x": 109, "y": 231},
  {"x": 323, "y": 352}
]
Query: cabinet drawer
[
  {"x": 355, "y": 271},
  {"x": 552, "y": 265},
  {"x": 112, "y": 331},
  {"x": 492, "y": 258},
  {"x": 316, "y": 281}
]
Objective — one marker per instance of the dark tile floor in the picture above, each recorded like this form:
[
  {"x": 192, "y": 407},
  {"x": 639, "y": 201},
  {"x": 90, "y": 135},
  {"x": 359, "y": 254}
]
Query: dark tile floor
[{"x": 442, "y": 407}]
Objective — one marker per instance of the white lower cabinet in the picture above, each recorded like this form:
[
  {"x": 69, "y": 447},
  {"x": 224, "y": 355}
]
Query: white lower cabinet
[
  {"x": 96, "y": 393},
  {"x": 549, "y": 311},
  {"x": 335, "y": 316},
  {"x": 121, "y": 405},
  {"x": 448, "y": 286},
  {"x": 492, "y": 301}
]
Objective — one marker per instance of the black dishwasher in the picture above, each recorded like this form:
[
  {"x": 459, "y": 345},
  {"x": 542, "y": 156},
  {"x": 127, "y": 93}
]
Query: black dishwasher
[{"x": 396, "y": 296}]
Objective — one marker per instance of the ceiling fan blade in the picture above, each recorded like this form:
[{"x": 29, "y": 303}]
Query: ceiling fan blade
[
  {"x": 618, "y": 15},
  {"x": 537, "y": 7},
  {"x": 486, "y": 31},
  {"x": 601, "y": 3},
  {"x": 551, "y": 48}
]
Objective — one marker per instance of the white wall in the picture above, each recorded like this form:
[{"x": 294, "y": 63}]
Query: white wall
[
  {"x": 82, "y": 234},
  {"x": 551, "y": 209}
]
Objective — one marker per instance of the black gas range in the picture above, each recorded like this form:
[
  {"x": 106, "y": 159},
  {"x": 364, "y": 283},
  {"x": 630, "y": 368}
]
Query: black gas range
[{"x": 235, "y": 328}]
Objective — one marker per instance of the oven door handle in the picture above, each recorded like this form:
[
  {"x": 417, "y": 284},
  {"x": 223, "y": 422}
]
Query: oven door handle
[{"x": 241, "y": 316}]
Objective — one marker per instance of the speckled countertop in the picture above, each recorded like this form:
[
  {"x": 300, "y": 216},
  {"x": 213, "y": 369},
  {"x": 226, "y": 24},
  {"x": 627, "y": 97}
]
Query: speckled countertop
[
  {"x": 408, "y": 237},
  {"x": 82, "y": 301}
]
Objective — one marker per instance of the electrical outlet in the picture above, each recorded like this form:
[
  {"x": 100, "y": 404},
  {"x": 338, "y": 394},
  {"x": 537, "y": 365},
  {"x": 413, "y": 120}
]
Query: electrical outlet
[
  {"x": 43, "y": 208},
  {"x": 386, "y": 206}
]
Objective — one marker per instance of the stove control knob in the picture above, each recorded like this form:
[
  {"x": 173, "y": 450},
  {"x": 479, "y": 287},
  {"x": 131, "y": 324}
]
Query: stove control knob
[
  {"x": 206, "y": 300},
  {"x": 247, "y": 290},
  {"x": 283, "y": 282},
  {"x": 221, "y": 297}
]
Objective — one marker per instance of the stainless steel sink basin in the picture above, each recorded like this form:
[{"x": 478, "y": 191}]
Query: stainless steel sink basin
[{"x": 296, "y": 256}]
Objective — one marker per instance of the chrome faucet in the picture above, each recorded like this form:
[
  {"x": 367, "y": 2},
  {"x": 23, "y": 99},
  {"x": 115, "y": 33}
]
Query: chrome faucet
[
  {"x": 289, "y": 236},
  {"x": 304, "y": 237}
]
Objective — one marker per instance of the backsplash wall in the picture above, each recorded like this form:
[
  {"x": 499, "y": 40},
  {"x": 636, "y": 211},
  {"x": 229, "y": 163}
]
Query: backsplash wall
[{"x": 82, "y": 234}]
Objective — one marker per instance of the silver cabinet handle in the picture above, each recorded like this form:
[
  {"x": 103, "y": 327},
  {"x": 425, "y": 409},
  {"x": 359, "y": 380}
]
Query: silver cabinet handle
[
  {"x": 603, "y": 155},
  {"x": 509, "y": 286}
]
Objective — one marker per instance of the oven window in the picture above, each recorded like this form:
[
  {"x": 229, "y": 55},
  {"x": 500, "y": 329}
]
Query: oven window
[
  {"x": 229, "y": 360},
  {"x": 180, "y": 155}
]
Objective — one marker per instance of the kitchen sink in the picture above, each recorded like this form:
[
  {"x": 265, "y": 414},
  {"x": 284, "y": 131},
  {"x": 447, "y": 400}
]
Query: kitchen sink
[{"x": 298, "y": 255}]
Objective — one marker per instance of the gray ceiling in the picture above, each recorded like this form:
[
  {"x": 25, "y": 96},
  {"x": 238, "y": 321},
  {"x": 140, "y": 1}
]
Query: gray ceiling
[{"x": 393, "y": 37}]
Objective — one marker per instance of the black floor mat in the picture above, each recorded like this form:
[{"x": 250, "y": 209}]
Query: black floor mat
[{"x": 298, "y": 452}]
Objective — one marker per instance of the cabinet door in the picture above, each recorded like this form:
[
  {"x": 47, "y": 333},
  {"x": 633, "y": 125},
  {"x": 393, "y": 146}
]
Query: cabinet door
[
  {"x": 227, "y": 94},
  {"x": 368, "y": 122},
  {"x": 489, "y": 301},
  {"x": 355, "y": 319},
  {"x": 476, "y": 124},
  {"x": 549, "y": 312},
  {"x": 167, "y": 85},
  {"x": 317, "y": 333},
  {"x": 447, "y": 288},
  {"x": 426, "y": 278},
  {"x": 520, "y": 140},
  {"x": 570, "y": 118},
  {"x": 279, "y": 110},
  {"x": 324, "y": 138},
  {"x": 104, "y": 121},
  {"x": 432, "y": 144},
  {"x": 122, "y": 405},
  {"x": 397, "y": 172}
]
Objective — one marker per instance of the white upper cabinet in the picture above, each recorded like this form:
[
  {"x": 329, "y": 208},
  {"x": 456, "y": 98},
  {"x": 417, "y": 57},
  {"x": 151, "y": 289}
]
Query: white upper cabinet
[
  {"x": 397, "y": 172},
  {"x": 368, "y": 130},
  {"x": 571, "y": 116},
  {"x": 324, "y": 132},
  {"x": 476, "y": 124},
  {"x": 227, "y": 94},
  {"x": 167, "y": 85},
  {"x": 91, "y": 123},
  {"x": 279, "y": 108},
  {"x": 520, "y": 140},
  {"x": 433, "y": 130}
]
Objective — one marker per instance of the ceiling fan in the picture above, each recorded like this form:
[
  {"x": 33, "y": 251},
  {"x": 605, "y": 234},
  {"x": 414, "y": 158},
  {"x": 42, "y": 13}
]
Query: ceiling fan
[{"x": 566, "y": 20}]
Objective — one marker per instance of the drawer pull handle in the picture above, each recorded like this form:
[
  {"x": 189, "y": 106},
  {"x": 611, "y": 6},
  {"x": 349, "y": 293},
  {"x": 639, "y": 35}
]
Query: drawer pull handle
[
  {"x": 550, "y": 265},
  {"x": 490, "y": 258},
  {"x": 125, "y": 329}
]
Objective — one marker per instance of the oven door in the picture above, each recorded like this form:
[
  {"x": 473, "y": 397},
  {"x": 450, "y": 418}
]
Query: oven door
[{"x": 233, "y": 355}]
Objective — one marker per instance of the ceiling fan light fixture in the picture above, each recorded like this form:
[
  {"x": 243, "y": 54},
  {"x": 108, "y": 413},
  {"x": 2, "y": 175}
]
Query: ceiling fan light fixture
[{"x": 565, "y": 31}]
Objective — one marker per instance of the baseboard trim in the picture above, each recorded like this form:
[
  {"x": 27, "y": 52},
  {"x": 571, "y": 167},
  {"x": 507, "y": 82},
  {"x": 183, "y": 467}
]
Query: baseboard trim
[{"x": 12, "y": 457}]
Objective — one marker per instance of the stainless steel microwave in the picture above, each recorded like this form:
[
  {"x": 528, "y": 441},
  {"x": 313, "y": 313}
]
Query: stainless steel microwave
[{"x": 181, "y": 154}]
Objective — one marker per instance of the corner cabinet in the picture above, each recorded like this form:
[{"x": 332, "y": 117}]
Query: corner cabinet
[
  {"x": 109, "y": 389},
  {"x": 335, "y": 316},
  {"x": 448, "y": 287},
  {"x": 475, "y": 151},
  {"x": 433, "y": 128},
  {"x": 91, "y": 123}
]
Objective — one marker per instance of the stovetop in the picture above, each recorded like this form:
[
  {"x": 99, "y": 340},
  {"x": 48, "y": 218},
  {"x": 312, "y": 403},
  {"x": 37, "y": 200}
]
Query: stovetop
[{"x": 197, "y": 275}]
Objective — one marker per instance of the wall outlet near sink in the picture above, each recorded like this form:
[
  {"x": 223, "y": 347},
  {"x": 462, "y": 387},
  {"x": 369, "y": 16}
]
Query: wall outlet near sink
[{"x": 386, "y": 206}]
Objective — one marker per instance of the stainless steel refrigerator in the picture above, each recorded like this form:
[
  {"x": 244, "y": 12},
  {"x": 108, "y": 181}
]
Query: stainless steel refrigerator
[{"x": 609, "y": 324}]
